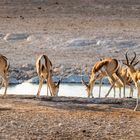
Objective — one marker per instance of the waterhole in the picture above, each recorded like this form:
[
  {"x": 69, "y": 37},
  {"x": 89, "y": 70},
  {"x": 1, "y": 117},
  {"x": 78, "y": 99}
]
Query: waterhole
[{"x": 68, "y": 90}]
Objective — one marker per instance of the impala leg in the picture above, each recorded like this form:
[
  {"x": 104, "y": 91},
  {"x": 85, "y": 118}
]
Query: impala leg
[
  {"x": 40, "y": 86},
  {"x": 114, "y": 91},
  {"x": 131, "y": 91},
  {"x": 51, "y": 93},
  {"x": 137, "y": 103},
  {"x": 122, "y": 81},
  {"x": 113, "y": 84},
  {"x": 47, "y": 88},
  {"x": 100, "y": 85},
  {"x": 138, "y": 95},
  {"x": 5, "y": 83},
  {"x": 2, "y": 83},
  {"x": 120, "y": 92},
  {"x": 110, "y": 89}
]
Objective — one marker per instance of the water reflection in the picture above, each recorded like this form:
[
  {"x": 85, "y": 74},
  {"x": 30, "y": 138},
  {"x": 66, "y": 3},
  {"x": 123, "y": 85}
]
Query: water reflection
[{"x": 73, "y": 90}]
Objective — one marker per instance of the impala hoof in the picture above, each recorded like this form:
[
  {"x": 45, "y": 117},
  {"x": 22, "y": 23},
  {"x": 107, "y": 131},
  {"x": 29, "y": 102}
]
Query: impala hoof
[
  {"x": 37, "y": 96},
  {"x": 4, "y": 96}
]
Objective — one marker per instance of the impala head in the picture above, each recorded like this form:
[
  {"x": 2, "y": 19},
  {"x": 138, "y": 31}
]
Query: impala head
[
  {"x": 56, "y": 89},
  {"x": 57, "y": 85},
  {"x": 131, "y": 64},
  {"x": 88, "y": 86},
  {"x": 53, "y": 87},
  {"x": 88, "y": 90}
]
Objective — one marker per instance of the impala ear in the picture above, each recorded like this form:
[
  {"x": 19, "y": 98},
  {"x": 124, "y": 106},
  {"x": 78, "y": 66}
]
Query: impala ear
[
  {"x": 58, "y": 83},
  {"x": 123, "y": 62}
]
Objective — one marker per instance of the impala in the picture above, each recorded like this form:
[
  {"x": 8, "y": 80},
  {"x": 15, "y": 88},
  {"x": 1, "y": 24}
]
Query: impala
[
  {"x": 105, "y": 67},
  {"x": 4, "y": 67},
  {"x": 135, "y": 75},
  {"x": 44, "y": 70}
]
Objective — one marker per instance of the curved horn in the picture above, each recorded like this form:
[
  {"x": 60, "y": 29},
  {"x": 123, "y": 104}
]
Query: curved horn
[
  {"x": 133, "y": 58},
  {"x": 127, "y": 61},
  {"x": 136, "y": 63},
  {"x": 84, "y": 83}
]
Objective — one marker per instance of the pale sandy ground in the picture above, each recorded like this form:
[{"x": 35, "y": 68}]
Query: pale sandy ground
[{"x": 73, "y": 33}]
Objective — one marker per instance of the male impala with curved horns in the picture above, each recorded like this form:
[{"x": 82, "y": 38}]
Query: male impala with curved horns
[
  {"x": 135, "y": 75},
  {"x": 44, "y": 70},
  {"x": 105, "y": 67},
  {"x": 4, "y": 66}
]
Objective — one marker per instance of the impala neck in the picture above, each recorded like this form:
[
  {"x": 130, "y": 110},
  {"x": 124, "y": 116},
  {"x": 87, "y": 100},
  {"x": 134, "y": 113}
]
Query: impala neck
[
  {"x": 131, "y": 70},
  {"x": 133, "y": 73}
]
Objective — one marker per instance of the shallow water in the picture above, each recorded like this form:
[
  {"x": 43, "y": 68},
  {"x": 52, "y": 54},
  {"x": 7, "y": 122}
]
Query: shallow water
[{"x": 73, "y": 90}]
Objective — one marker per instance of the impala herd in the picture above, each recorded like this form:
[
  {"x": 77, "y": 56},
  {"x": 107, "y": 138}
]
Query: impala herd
[{"x": 118, "y": 75}]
